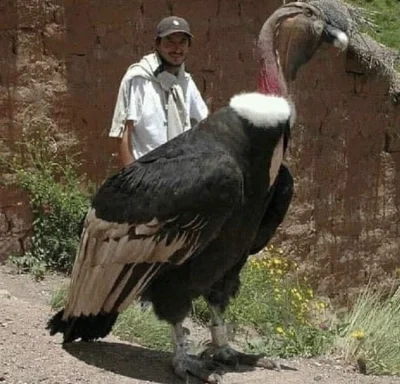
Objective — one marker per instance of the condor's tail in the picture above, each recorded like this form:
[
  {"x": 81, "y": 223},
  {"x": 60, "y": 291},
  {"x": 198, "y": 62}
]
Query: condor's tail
[{"x": 86, "y": 328}]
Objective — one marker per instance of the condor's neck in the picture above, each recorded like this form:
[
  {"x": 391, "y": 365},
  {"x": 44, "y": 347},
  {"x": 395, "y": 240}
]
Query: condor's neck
[{"x": 271, "y": 80}]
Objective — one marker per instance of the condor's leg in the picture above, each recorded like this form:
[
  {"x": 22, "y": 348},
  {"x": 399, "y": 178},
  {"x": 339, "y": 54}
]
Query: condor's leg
[
  {"x": 221, "y": 352},
  {"x": 184, "y": 363},
  {"x": 218, "y": 299},
  {"x": 172, "y": 303},
  {"x": 277, "y": 205}
]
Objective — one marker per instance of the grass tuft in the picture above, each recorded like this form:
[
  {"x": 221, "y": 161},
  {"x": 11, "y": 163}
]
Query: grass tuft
[
  {"x": 142, "y": 326},
  {"x": 385, "y": 15},
  {"x": 371, "y": 333},
  {"x": 59, "y": 297}
]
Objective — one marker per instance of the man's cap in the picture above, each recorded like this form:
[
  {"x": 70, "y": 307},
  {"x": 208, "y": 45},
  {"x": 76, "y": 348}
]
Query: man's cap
[{"x": 172, "y": 24}]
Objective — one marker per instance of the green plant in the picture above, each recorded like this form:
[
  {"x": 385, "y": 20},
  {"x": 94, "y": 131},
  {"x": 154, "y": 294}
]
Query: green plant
[
  {"x": 371, "y": 332},
  {"x": 58, "y": 201},
  {"x": 142, "y": 326},
  {"x": 59, "y": 298},
  {"x": 385, "y": 14}
]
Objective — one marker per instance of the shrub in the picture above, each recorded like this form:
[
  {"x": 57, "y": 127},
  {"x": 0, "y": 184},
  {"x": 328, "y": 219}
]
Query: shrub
[{"x": 58, "y": 200}]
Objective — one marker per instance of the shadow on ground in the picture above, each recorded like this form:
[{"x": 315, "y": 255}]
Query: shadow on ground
[
  {"x": 126, "y": 360},
  {"x": 131, "y": 361}
]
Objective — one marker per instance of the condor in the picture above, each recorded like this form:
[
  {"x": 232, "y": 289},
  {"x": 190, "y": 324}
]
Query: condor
[{"x": 181, "y": 221}]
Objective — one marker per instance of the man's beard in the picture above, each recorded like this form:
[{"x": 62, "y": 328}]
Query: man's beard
[{"x": 167, "y": 63}]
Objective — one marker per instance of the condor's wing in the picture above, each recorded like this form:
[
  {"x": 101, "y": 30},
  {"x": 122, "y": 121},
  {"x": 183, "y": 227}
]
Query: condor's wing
[{"x": 162, "y": 209}]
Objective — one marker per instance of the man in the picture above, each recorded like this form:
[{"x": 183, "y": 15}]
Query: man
[{"x": 157, "y": 99}]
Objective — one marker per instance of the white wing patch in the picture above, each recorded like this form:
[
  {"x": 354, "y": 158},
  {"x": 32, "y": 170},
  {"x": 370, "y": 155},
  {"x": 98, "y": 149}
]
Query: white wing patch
[
  {"x": 276, "y": 161},
  {"x": 261, "y": 110},
  {"x": 106, "y": 248}
]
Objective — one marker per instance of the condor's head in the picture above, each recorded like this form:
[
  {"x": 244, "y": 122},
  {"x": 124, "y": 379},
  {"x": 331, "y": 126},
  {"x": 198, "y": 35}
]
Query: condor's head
[{"x": 291, "y": 36}]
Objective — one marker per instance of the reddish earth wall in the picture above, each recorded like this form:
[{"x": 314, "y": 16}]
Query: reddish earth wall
[
  {"x": 64, "y": 60},
  {"x": 346, "y": 155}
]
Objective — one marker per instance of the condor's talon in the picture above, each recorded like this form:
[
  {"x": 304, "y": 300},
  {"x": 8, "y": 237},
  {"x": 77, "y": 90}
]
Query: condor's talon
[
  {"x": 230, "y": 357},
  {"x": 205, "y": 370},
  {"x": 266, "y": 363}
]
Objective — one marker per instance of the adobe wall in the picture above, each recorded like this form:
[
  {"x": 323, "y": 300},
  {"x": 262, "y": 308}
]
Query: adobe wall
[{"x": 64, "y": 60}]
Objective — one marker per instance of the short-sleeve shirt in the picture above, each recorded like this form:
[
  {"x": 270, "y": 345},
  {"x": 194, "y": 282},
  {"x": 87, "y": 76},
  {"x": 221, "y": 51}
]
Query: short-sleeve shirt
[{"x": 146, "y": 110}]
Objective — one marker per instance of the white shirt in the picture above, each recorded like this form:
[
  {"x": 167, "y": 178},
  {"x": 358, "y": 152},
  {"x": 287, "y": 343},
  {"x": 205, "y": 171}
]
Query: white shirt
[{"x": 146, "y": 108}]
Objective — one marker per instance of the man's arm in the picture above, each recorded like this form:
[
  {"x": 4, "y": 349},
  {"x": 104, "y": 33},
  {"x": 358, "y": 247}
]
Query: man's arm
[
  {"x": 125, "y": 149},
  {"x": 198, "y": 108}
]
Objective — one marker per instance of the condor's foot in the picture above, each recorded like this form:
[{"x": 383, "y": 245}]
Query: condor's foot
[
  {"x": 230, "y": 357},
  {"x": 185, "y": 364},
  {"x": 204, "y": 369}
]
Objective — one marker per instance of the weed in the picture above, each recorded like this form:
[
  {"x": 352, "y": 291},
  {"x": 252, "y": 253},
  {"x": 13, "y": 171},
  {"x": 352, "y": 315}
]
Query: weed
[
  {"x": 142, "y": 326},
  {"x": 371, "y": 333},
  {"x": 59, "y": 297},
  {"x": 58, "y": 202}
]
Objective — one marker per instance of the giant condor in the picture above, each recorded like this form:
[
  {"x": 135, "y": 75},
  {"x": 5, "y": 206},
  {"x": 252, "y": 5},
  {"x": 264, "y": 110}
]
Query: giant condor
[{"x": 181, "y": 221}]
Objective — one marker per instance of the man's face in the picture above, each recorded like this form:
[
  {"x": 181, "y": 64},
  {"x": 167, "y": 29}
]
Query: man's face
[{"x": 174, "y": 48}]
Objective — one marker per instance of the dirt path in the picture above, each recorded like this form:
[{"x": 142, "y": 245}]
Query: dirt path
[{"x": 29, "y": 355}]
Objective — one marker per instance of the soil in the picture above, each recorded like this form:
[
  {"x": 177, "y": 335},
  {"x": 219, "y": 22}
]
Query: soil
[{"x": 29, "y": 355}]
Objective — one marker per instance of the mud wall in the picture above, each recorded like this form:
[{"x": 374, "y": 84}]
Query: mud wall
[
  {"x": 64, "y": 60},
  {"x": 345, "y": 153}
]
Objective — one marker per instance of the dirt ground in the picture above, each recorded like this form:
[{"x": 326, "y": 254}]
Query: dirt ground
[{"x": 29, "y": 355}]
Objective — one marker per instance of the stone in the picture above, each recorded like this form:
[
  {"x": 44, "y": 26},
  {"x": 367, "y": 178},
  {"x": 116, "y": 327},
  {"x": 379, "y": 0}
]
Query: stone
[
  {"x": 5, "y": 294},
  {"x": 9, "y": 246},
  {"x": 3, "y": 224}
]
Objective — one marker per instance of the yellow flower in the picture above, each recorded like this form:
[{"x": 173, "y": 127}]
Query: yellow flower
[
  {"x": 299, "y": 297},
  {"x": 280, "y": 330},
  {"x": 358, "y": 335}
]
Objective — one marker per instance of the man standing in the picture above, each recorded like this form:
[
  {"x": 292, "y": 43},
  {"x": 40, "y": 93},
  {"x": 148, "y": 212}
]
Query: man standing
[{"x": 157, "y": 99}]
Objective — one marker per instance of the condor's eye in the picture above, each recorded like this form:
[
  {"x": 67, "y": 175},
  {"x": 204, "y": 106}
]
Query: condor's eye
[{"x": 309, "y": 12}]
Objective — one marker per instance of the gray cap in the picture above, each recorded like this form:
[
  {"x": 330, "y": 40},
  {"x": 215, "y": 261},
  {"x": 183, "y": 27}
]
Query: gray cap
[{"x": 172, "y": 24}]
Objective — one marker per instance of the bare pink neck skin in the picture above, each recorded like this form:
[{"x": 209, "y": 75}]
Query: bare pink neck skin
[
  {"x": 270, "y": 77},
  {"x": 269, "y": 80}
]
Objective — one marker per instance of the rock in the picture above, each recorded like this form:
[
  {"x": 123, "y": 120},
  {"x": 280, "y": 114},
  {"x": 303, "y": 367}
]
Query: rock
[{"x": 5, "y": 294}]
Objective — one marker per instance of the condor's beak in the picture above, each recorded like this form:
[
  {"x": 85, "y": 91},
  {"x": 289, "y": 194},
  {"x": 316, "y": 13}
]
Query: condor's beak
[{"x": 336, "y": 37}]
